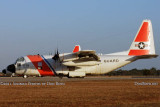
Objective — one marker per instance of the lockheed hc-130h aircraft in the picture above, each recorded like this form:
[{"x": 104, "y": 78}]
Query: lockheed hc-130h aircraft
[{"x": 80, "y": 63}]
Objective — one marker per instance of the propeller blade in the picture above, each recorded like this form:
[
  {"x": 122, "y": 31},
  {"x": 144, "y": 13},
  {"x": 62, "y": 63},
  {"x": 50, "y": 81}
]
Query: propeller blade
[{"x": 56, "y": 55}]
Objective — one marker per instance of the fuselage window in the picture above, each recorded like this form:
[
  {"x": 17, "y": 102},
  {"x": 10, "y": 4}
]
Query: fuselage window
[
  {"x": 39, "y": 65},
  {"x": 18, "y": 64},
  {"x": 21, "y": 59},
  {"x": 25, "y": 65}
]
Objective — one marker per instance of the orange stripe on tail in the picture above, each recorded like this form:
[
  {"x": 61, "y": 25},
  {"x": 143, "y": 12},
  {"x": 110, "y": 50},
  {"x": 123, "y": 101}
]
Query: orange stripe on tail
[
  {"x": 143, "y": 33},
  {"x": 138, "y": 52}
]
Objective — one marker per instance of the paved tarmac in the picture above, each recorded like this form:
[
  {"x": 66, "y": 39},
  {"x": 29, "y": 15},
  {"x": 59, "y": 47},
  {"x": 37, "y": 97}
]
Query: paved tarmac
[{"x": 64, "y": 79}]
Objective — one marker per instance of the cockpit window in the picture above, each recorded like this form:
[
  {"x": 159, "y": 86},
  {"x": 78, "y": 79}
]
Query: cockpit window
[{"x": 21, "y": 59}]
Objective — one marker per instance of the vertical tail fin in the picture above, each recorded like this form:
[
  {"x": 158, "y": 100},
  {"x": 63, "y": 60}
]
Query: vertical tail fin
[
  {"x": 143, "y": 43},
  {"x": 77, "y": 48}
]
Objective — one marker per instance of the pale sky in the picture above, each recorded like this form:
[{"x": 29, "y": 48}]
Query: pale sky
[{"x": 107, "y": 26}]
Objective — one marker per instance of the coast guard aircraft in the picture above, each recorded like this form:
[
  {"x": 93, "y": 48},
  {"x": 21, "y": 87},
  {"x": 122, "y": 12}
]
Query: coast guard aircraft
[{"x": 80, "y": 63}]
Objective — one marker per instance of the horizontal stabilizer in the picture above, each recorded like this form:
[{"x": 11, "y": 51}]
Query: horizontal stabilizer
[{"x": 147, "y": 56}]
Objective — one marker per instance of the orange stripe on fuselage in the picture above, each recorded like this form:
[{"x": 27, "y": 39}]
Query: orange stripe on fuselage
[
  {"x": 138, "y": 52},
  {"x": 143, "y": 33},
  {"x": 45, "y": 71}
]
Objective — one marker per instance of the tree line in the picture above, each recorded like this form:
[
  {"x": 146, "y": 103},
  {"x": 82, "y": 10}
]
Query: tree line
[{"x": 135, "y": 72}]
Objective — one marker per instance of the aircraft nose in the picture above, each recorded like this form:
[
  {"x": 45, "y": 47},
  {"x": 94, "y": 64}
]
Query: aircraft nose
[
  {"x": 11, "y": 68},
  {"x": 4, "y": 71}
]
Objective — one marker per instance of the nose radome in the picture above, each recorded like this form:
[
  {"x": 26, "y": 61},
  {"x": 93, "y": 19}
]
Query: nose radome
[{"x": 11, "y": 68}]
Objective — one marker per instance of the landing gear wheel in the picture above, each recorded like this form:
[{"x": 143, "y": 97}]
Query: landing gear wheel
[
  {"x": 13, "y": 75},
  {"x": 25, "y": 76}
]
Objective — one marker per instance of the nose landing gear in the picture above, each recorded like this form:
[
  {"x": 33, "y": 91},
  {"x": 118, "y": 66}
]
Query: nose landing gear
[{"x": 13, "y": 75}]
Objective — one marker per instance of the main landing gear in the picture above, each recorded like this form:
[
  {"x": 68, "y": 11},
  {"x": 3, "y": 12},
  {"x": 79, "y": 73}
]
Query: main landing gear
[{"x": 25, "y": 76}]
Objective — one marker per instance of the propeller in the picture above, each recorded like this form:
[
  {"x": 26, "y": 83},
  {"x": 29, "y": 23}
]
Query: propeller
[{"x": 56, "y": 56}]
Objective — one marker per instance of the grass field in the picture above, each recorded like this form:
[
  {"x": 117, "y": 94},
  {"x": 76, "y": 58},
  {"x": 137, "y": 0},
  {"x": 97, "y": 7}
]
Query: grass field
[{"x": 113, "y": 93}]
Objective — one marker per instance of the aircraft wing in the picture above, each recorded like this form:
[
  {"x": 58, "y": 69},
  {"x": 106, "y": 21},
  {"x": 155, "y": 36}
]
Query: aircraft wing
[
  {"x": 85, "y": 58},
  {"x": 87, "y": 53}
]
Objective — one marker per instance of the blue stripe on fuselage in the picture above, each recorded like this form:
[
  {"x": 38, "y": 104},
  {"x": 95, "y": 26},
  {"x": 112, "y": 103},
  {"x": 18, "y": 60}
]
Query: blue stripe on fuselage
[{"x": 49, "y": 64}]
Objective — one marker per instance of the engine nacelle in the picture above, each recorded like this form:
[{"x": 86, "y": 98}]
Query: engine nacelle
[
  {"x": 77, "y": 74},
  {"x": 62, "y": 72}
]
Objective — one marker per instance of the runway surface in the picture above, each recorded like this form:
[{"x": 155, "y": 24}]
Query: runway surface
[
  {"x": 92, "y": 91},
  {"x": 64, "y": 79}
]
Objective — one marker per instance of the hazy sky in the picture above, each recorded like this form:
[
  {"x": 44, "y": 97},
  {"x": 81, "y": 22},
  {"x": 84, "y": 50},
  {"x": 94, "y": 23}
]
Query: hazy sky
[{"x": 40, "y": 26}]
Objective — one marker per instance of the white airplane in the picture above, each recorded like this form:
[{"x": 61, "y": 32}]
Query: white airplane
[{"x": 80, "y": 63}]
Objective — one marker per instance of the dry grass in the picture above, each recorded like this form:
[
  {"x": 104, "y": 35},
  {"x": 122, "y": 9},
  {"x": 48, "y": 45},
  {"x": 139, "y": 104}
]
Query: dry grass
[{"x": 84, "y": 93}]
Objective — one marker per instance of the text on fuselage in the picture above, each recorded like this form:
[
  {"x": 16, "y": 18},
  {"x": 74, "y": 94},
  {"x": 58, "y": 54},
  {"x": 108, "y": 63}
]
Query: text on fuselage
[{"x": 111, "y": 60}]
